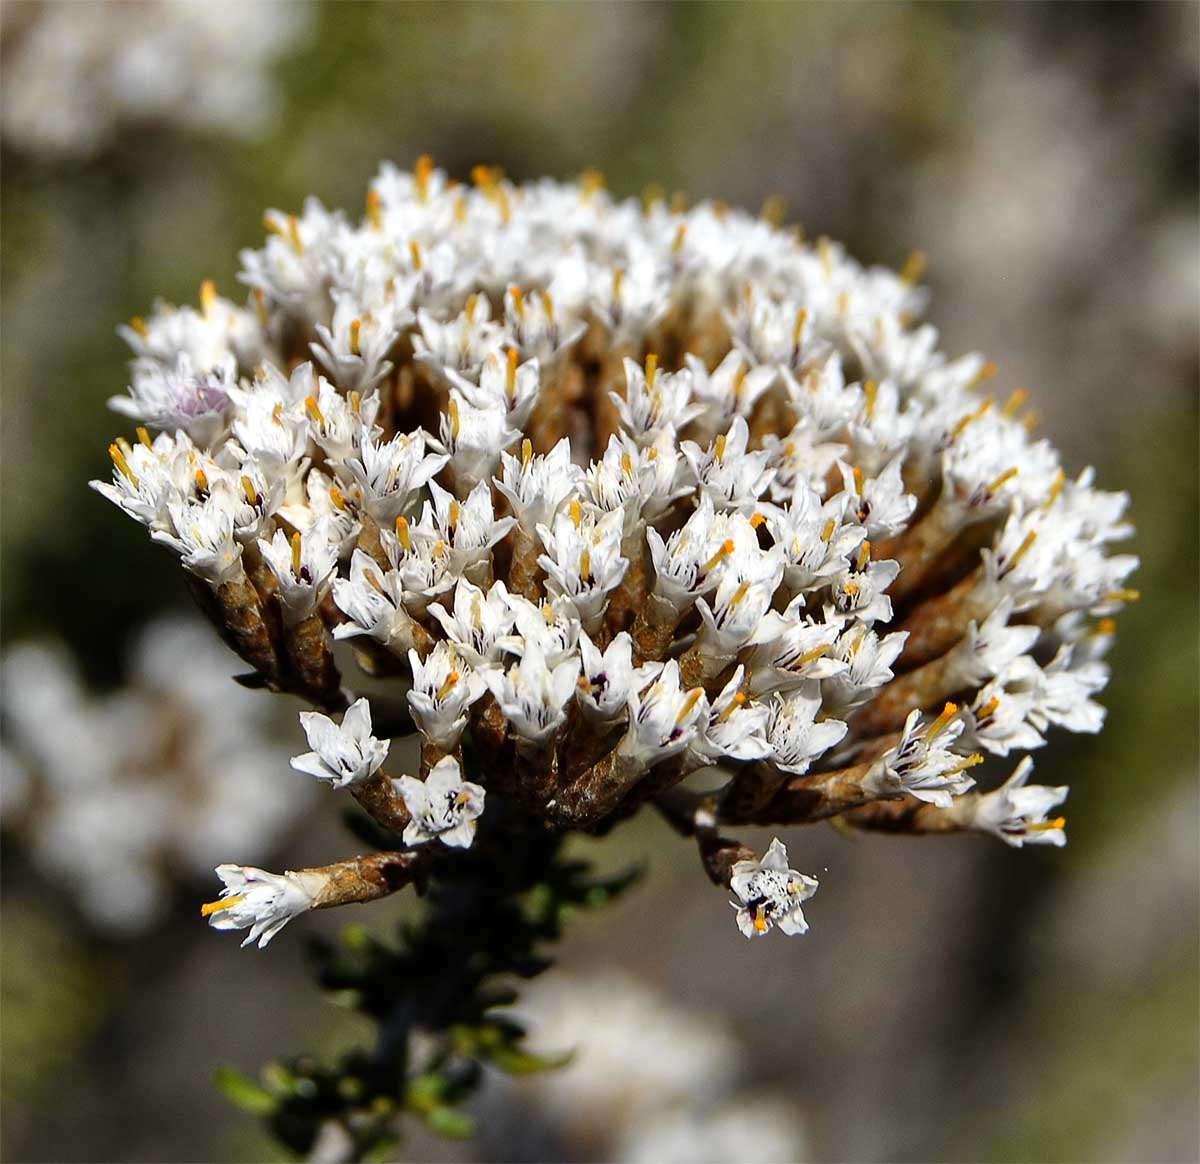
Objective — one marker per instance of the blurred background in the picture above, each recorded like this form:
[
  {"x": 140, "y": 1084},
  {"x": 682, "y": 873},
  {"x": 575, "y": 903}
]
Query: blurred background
[{"x": 955, "y": 1000}]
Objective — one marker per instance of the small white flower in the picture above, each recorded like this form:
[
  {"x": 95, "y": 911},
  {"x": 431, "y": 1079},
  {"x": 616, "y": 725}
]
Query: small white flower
[
  {"x": 342, "y": 754},
  {"x": 444, "y": 687},
  {"x": 922, "y": 764},
  {"x": 537, "y": 487},
  {"x": 654, "y": 401},
  {"x": 478, "y": 622},
  {"x": 735, "y": 730},
  {"x": 303, "y": 566},
  {"x": 261, "y": 901},
  {"x": 444, "y": 806},
  {"x": 792, "y": 730},
  {"x": 503, "y": 383},
  {"x": 770, "y": 894},
  {"x": 609, "y": 677},
  {"x": 663, "y": 720},
  {"x": 1017, "y": 813},
  {"x": 534, "y": 695}
]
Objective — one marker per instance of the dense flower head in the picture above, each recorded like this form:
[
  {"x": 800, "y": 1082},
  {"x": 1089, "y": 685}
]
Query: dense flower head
[{"x": 619, "y": 490}]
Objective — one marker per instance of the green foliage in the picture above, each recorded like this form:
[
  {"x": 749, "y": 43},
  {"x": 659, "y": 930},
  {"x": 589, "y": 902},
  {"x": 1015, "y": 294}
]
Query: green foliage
[{"x": 447, "y": 979}]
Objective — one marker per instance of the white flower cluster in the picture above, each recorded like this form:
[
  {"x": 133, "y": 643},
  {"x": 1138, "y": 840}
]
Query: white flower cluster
[
  {"x": 76, "y": 74},
  {"x": 625, "y": 490},
  {"x": 119, "y": 797}
]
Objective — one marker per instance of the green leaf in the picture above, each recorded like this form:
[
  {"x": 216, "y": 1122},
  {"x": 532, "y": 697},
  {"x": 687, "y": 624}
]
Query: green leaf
[
  {"x": 516, "y": 1062},
  {"x": 242, "y": 1091},
  {"x": 450, "y": 1122}
]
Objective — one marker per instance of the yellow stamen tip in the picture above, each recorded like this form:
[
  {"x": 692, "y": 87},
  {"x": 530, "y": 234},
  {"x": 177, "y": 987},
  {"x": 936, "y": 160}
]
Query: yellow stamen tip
[
  {"x": 208, "y": 296},
  {"x": 144, "y": 437},
  {"x": 211, "y": 907},
  {"x": 374, "y": 209},
  {"x": 355, "y": 332},
  {"x": 651, "y": 369},
  {"x": 139, "y": 325},
  {"x": 914, "y": 267}
]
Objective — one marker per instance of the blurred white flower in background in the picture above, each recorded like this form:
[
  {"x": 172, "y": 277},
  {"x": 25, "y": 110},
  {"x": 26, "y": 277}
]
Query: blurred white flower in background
[
  {"x": 75, "y": 74},
  {"x": 649, "y": 1080},
  {"x": 117, "y": 794}
]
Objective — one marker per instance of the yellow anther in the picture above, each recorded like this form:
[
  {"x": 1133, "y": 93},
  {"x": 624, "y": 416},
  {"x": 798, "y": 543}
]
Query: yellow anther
[
  {"x": 460, "y": 210},
  {"x": 335, "y": 495},
  {"x": 144, "y": 437},
  {"x": 547, "y": 304},
  {"x": 940, "y": 724},
  {"x": 679, "y": 202},
  {"x": 677, "y": 241},
  {"x": 774, "y": 209},
  {"x": 294, "y": 234},
  {"x": 211, "y": 907},
  {"x": 985, "y": 373},
  {"x": 739, "y": 381},
  {"x": 651, "y": 195},
  {"x": 760, "y": 919},
  {"x": 857, "y": 474},
  {"x": 208, "y": 296},
  {"x": 473, "y": 305},
  {"x": 1031, "y": 419},
  {"x": 548, "y": 615},
  {"x": 871, "y": 391},
  {"x": 510, "y": 379},
  {"x": 851, "y": 588},
  {"x": 118, "y": 459},
  {"x": 455, "y": 419},
  {"x": 739, "y": 700},
  {"x": 727, "y": 548},
  {"x": 421, "y": 173},
  {"x": 720, "y": 209},
  {"x": 739, "y": 595},
  {"x": 590, "y": 181},
  {"x": 719, "y": 448},
  {"x": 1021, "y": 551},
  {"x": 1122, "y": 596},
  {"x": 1060, "y": 479},
  {"x": 1044, "y": 826},
  {"x": 758, "y": 519},
  {"x": 651, "y": 370},
  {"x": 798, "y": 327},
  {"x": 825, "y": 252},
  {"x": 127, "y": 448},
  {"x": 260, "y": 305},
  {"x": 576, "y": 512},
  {"x": 526, "y": 452},
  {"x": 694, "y": 697},
  {"x": 297, "y": 549},
  {"x": 583, "y": 682},
  {"x": 402, "y": 534},
  {"x": 914, "y": 267},
  {"x": 970, "y": 418},
  {"x": 448, "y": 686},
  {"x": 843, "y": 304},
  {"x": 585, "y": 565},
  {"x": 864, "y": 556},
  {"x": 1003, "y": 479},
  {"x": 518, "y": 301},
  {"x": 355, "y": 332},
  {"x": 455, "y": 510},
  {"x": 627, "y": 464},
  {"x": 139, "y": 325},
  {"x": 1015, "y": 402},
  {"x": 462, "y": 799},
  {"x": 439, "y": 548},
  {"x": 989, "y": 708},
  {"x": 827, "y": 532},
  {"x": 414, "y": 249},
  {"x": 617, "y": 279},
  {"x": 313, "y": 409},
  {"x": 374, "y": 210},
  {"x": 503, "y": 201},
  {"x": 809, "y": 656},
  {"x": 356, "y": 403},
  {"x": 1106, "y": 626},
  {"x": 968, "y": 762},
  {"x": 248, "y": 489},
  {"x": 201, "y": 481}
]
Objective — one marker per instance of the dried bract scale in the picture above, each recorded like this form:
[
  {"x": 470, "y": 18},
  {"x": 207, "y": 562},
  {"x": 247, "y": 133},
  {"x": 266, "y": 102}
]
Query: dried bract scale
[{"x": 611, "y": 492}]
